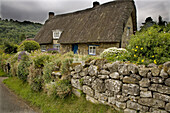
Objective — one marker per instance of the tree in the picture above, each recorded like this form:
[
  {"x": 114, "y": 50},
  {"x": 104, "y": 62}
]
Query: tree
[
  {"x": 29, "y": 45},
  {"x": 22, "y": 37},
  {"x": 10, "y": 48},
  {"x": 148, "y": 23},
  {"x": 161, "y": 22}
]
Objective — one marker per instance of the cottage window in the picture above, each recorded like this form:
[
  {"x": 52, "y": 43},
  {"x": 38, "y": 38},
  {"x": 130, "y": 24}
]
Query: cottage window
[
  {"x": 57, "y": 47},
  {"x": 56, "y": 34},
  {"x": 128, "y": 31},
  {"x": 43, "y": 48},
  {"x": 92, "y": 50}
]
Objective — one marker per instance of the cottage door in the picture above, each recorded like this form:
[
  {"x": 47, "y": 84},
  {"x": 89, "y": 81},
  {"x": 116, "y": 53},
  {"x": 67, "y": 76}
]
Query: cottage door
[{"x": 75, "y": 48}]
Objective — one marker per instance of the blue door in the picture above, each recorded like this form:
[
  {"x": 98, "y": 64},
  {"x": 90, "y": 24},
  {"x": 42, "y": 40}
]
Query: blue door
[{"x": 75, "y": 48}]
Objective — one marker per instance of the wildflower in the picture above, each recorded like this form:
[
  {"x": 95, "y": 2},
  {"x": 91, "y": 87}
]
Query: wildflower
[
  {"x": 134, "y": 55},
  {"x": 155, "y": 61},
  {"x": 135, "y": 49},
  {"x": 153, "y": 56},
  {"x": 141, "y": 48},
  {"x": 136, "y": 46},
  {"x": 142, "y": 60},
  {"x": 132, "y": 49}
]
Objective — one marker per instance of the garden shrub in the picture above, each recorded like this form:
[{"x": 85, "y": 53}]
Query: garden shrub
[
  {"x": 47, "y": 70},
  {"x": 52, "y": 50},
  {"x": 65, "y": 64},
  {"x": 29, "y": 45},
  {"x": 151, "y": 46},
  {"x": 10, "y": 48},
  {"x": 40, "y": 60}
]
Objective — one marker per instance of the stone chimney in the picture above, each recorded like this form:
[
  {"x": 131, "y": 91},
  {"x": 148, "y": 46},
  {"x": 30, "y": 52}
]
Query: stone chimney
[
  {"x": 51, "y": 14},
  {"x": 95, "y": 4}
]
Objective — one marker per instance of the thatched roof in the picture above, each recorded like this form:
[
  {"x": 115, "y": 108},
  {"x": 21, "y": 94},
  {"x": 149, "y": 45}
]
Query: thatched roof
[{"x": 103, "y": 23}]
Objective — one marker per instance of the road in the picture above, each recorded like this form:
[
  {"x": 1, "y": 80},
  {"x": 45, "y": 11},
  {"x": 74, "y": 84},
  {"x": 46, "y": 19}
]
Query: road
[{"x": 10, "y": 103}]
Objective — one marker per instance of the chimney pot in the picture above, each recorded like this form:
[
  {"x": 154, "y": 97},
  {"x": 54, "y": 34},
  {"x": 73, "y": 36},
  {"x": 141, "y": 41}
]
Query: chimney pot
[
  {"x": 51, "y": 14},
  {"x": 96, "y": 4}
]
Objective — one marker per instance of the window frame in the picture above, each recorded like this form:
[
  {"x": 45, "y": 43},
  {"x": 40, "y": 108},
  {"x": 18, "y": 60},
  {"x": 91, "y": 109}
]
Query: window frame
[
  {"x": 43, "y": 48},
  {"x": 58, "y": 32},
  {"x": 56, "y": 46},
  {"x": 91, "y": 50},
  {"x": 128, "y": 31}
]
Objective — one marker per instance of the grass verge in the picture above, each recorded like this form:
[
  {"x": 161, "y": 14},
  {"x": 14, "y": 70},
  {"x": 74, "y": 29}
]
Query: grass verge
[
  {"x": 47, "y": 104},
  {"x": 2, "y": 73}
]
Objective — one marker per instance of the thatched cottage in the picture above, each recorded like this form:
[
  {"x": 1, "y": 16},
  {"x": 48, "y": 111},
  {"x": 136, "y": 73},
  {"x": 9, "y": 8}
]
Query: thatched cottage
[{"x": 90, "y": 31}]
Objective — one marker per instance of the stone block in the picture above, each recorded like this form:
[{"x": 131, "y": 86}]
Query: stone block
[
  {"x": 84, "y": 72},
  {"x": 156, "y": 80},
  {"x": 156, "y": 110},
  {"x": 112, "y": 100},
  {"x": 155, "y": 71},
  {"x": 121, "y": 104},
  {"x": 92, "y": 70},
  {"x": 113, "y": 67},
  {"x": 76, "y": 76},
  {"x": 123, "y": 69},
  {"x": 160, "y": 88},
  {"x": 91, "y": 99},
  {"x": 76, "y": 83},
  {"x": 136, "y": 106},
  {"x": 98, "y": 85},
  {"x": 100, "y": 96},
  {"x": 167, "y": 82},
  {"x": 132, "y": 89},
  {"x": 134, "y": 98},
  {"x": 135, "y": 76},
  {"x": 113, "y": 85},
  {"x": 104, "y": 72},
  {"x": 103, "y": 76},
  {"x": 121, "y": 98},
  {"x": 87, "y": 80},
  {"x": 130, "y": 80},
  {"x": 143, "y": 71},
  {"x": 78, "y": 68},
  {"x": 143, "y": 89},
  {"x": 109, "y": 93},
  {"x": 129, "y": 111},
  {"x": 87, "y": 90},
  {"x": 77, "y": 92},
  {"x": 133, "y": 68},
  {"x": 151, "y": 102},
  {"x": 115, "y": 75},
  {"x": 167, "y": 107},
  {"x": 145, "y": 94},
  {"x": 145, "y": 82},
  {"x": 163, "y": 74},
  {"x": 162, "y": 97}
]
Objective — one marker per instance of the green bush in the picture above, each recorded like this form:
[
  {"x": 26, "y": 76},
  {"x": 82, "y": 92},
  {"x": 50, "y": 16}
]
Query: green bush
[
  {"x": 151, "y": 46},
  {"x": 47, "y": 70},
  {"x": 10, "y": 48},
  {"x": 40, "y": 60},
  {"x": 29, "y": 45},
  {"x": 65, "y": 64}
]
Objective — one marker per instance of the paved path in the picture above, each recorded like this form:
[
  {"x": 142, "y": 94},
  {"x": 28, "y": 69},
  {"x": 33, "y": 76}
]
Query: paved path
[{"x": 10, "y": 103}]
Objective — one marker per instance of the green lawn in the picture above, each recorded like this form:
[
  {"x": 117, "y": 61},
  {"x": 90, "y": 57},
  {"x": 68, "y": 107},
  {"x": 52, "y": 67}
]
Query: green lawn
[
  {"x": 2, "y": 74},
  {"x": 71, "y": 104}
]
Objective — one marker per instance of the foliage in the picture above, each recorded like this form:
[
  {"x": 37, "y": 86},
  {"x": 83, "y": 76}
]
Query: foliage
[
  {"x": 65, "y": 64},
  {"x": 29, "y": 45},
  {"x": 16, "y": 32},
  {"x": 51, "y": 104},
  {"x": 10, "y": 48},
  {"x": 151, "y": 46},
  {"x": 52, "y": 50},
  {"x": 2, "y": 73},
  {"x": 47, "y": 70}
]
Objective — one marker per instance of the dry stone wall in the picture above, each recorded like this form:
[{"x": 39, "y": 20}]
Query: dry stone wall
[{"x": 126, "y": 86}]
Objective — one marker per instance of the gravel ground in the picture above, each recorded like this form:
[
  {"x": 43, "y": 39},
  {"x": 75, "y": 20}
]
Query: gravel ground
[{"x": 10, "y": 103}]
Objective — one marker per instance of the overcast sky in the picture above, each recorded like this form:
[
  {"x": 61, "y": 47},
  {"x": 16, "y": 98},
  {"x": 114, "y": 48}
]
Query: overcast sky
[{"x": 37, "y": 10}]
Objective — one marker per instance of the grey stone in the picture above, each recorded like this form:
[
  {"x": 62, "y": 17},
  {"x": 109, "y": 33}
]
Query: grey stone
[
  {"x": 149, "y": 75},
  {"x": 121, "y": 104},
  {"x": 129, "y": 111},
  {"x": 136, "y": 106},
  {"x": 135, "y": 76},
  {"x": 156, "y": 110},
  {"x": 104, "y": 72},
  {"x": 123, "y": 69},
  {"x": 87, "y": 80},
  {"x": 167, "y": 107},
  {"x": 163, "y": 74},
  {"x": 91, "y": 99},
  {"x": 121, "y": 98},
  {"x": 113, "y": 85},
  {"x": 151, "y": 102},
  {"x": 160, "y": 88},
  {"x": 78, "y": 68},
  {"x": 156, "y": 80},
  {"x": 145, "y": 82},
  {"x": 160, "y": 96},
  {"x": 84, "y": 72},
  {"x": 141, "y": 66},
  {"x": 92, "y": 70},
  {"x": 100, "y": 96},
  {"x": 114, "y": 75},
  {"x": 100, "y": 63},
  {"x": 145, "y": 94},
  {"x": 109, "y": 93},
  {"x": 98, "y": 85},
  {"x": 168, "y": 71},
  {"x": 155, "y": 71},
  {"x": 167, "y": 64},
  {"x": 111, "y": 100},
  {"x": 143, "y": 89},
  {"x": 77, "y": 92},
  {"x": 152, "y": 65},
  {"x": 92, "y": 62},
  {"x": 143, "y": 71},
  {"x": 113, "y": 67},
  {"x": 87, "y": 90},
  {"x": 103, "y": 76},
  {"x": 134, "y": 98},
  {"x": 133, "y": 68},
  {"x": 167, "y": 82},
  {"x": 76, "y": 75},
  {"x": 76, "y": 83},
  {"x": 132, "y": 89},
  {"x": 130, "y": 80}
]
